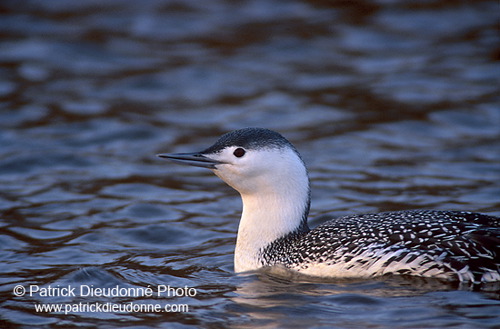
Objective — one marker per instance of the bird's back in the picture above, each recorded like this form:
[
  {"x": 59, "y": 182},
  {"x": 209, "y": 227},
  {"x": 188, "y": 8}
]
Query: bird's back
[{"x": 452, "y": 245}]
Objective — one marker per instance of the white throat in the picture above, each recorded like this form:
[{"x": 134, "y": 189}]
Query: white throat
[{"x": 274, "y": 209}]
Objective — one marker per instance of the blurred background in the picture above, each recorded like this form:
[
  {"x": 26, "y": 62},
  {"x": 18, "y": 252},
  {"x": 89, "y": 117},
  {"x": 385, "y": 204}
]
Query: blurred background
[{"x": 392, "y": 104}]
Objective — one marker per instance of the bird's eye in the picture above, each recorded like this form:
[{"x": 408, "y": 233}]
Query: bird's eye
[{"x": 239, "y": 152}]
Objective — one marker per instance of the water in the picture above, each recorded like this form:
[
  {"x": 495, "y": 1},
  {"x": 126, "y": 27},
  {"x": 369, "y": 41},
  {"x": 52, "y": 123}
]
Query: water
[{"x": 393, "y": 105}]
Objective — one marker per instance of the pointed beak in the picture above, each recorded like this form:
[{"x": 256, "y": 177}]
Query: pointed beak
[{"x": 191, "y": 159}]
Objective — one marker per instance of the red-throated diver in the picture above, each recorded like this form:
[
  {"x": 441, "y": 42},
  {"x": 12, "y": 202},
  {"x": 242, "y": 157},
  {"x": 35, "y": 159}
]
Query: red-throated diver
[{"x": 268, "y": 172}]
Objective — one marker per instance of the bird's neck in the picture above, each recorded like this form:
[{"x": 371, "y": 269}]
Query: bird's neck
[{"x": 271, "y": 214}]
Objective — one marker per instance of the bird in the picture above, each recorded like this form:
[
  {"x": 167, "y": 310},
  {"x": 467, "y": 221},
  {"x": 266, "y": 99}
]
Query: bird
[{"x": 273, "y": 182}]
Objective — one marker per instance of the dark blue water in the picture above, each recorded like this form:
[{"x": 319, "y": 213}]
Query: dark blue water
[{"x": 393, "y": 105}]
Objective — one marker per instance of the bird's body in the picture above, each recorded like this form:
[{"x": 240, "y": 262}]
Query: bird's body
[
  {"x": 443, "y": 244},
  {"x": 272, "y": 180}
]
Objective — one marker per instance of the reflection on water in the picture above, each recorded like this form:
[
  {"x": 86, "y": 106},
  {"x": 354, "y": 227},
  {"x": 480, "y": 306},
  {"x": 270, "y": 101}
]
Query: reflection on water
[{"x": 393, "y": 105}]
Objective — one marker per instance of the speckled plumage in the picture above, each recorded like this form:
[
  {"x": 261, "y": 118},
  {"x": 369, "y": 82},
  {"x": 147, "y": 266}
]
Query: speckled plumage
[
  {"x": 452, "y": 245},
  {"x": 271, "y": 177}
]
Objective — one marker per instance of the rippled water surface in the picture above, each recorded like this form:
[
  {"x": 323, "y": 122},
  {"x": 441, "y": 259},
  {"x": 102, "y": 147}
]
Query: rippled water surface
[{"x": 393, "y": 105}]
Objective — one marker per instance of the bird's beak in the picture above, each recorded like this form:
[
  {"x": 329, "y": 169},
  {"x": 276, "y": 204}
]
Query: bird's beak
[{"x": 191, "y": 159}]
